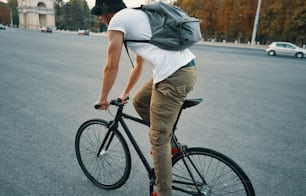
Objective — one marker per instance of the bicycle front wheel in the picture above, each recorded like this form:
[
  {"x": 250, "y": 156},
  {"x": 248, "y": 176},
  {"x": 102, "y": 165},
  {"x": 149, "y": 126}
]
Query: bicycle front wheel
[
  {"x": 207, "y": 172},
  {"x": 102, "y": 154}
]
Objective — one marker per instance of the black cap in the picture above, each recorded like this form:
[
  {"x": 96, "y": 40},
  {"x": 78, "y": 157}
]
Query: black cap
[{"x": 103, "y": 7}]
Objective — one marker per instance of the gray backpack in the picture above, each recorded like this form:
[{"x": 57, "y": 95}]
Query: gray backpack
[{"x": 172, "y": 28}]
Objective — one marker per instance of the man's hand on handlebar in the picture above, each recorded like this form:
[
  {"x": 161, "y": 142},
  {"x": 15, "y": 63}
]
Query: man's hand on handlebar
[
  {"x": 101, "y": 105},
  {"x": 124, "y": 97}
]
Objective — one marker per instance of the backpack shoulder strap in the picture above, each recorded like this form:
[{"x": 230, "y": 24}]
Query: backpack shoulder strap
[
  {"x": 127, "y": 51},
  {"x": 133, "y": 40}
]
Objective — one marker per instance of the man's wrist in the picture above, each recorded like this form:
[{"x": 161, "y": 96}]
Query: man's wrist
[{"x": 103, "y": 98}]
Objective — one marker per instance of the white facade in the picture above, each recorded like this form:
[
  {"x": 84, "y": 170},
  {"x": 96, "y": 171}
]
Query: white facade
[{"x": 35, "y": 14}]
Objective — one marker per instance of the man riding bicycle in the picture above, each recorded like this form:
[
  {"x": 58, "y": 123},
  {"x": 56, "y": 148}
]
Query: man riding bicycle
[{"x": 160, "y": 98}]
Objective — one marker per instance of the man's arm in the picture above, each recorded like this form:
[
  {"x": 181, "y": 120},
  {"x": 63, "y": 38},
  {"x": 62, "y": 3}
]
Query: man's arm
[
  {"x": 115, "y": 41},
  {"x": 134, "y": 76}
]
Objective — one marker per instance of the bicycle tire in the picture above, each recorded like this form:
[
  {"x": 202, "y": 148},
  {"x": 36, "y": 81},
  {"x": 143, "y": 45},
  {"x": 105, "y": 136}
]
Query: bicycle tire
[
  {"x": 111, "y": 168},
  {"x": 217, "y": 174}
]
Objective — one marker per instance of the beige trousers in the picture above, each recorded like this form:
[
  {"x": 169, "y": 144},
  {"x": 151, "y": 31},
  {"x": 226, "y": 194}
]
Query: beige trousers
[{"x": 160, "y": 104}]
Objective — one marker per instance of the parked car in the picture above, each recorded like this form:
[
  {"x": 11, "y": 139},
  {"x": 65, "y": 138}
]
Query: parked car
[
  {"x": 2, "y": 27},
  {"x": 46, "y": 30},
  {"x": 285, "y": 48},
  {"x": 83, "y": 32}
]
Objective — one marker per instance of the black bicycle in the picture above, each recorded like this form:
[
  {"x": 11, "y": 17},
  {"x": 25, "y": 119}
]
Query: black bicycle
[{"x": 104, "y": 157}]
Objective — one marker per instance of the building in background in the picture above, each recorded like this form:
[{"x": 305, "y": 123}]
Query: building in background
[{"x": 36, "y": 14}]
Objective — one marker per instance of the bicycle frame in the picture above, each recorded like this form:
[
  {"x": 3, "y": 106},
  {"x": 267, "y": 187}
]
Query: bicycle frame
[
  {"x": 144, "y": 160},
  {"x": 119, "y": 119},
  {"x": 113, "y": 126},
  {"x": 134, "y": 143}
]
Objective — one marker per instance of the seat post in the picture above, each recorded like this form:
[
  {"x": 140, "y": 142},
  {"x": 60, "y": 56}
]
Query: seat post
[{"x": 178, "y": 117}]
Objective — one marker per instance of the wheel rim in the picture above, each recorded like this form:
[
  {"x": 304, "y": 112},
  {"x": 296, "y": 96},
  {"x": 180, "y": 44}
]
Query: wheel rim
[
  {"x": 299, "y": 55},
  {"x": 271, "y": 53},
  {"x": 109, "y": 169}
]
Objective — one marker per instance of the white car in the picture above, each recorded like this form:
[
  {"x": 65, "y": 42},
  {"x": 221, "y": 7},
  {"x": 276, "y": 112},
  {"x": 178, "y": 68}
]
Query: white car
[
  {"x": 46, "y": 30},
  {"x": 2, "y": 27},
  {"x": 83, "y": 32},
  {"x": 285, "y": 48}
]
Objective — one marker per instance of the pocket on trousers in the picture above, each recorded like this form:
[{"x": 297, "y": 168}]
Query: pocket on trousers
[{"x": 183, "y": 89}]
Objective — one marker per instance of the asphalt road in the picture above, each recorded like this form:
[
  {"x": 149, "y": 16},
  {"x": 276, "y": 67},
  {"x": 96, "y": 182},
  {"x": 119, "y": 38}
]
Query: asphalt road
[{"x": 254, "y": 111}]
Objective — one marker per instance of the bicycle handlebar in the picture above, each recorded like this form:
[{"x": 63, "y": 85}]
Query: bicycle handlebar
[{"x": 116, "y": 102}]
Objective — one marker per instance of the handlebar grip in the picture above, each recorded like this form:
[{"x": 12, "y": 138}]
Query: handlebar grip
[
  {"x": 118, "y": 101},
  {"x": 112, "y": 102},
  {"x": 125, "y": 99},
  {"x": 97, "y": 106}
]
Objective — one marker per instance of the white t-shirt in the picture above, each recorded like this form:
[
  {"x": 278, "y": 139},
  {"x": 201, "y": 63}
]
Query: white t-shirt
[{"x": 135, "y": 26}]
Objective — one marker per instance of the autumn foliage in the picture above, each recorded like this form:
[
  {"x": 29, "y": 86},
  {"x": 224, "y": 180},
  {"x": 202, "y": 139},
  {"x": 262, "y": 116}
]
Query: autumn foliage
[
  {"x": 4, "y": 14},
  {"x": 229, "y": 20},
  {"x": 233, "y": 20}
]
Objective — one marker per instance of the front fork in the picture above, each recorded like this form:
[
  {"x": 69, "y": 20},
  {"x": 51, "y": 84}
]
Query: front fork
[{"x": 106, "y": 141}]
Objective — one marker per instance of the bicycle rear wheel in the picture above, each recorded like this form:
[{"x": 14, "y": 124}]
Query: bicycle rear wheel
[
  {"x": 103, "y": 154},
  {"x": 208, "y": 173}
]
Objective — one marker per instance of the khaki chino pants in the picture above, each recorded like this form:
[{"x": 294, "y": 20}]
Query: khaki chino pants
[{"x": 160, "y": 104}]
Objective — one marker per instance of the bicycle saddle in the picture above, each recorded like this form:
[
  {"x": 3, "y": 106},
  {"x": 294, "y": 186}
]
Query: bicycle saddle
[{"x": 191, "y": 102}]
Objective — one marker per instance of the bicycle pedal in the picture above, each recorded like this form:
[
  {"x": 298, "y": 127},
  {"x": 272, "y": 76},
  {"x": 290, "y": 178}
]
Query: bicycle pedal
[
  {"x": 174, "y": 151},
  {"x": 181, "y": 148},
  {"x": 154, "y": 194}
]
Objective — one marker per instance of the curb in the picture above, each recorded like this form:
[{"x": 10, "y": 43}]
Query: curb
[{"x": 233, "y": 45}]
